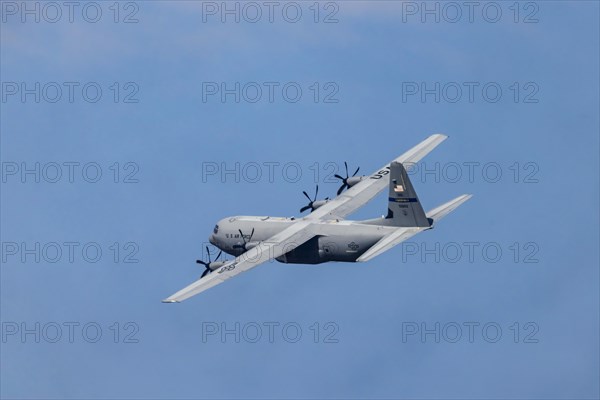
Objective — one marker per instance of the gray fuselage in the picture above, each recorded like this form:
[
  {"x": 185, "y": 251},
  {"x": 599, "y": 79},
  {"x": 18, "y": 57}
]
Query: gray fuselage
[{"x": 345, "y": 240}]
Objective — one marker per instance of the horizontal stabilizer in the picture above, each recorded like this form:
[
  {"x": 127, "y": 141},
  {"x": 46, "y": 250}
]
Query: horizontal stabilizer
[{"x": 441, "y": 211}]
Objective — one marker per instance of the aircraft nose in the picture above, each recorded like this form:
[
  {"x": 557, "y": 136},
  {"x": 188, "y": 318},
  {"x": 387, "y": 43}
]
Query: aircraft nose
[{"x": 212, "y": 240}]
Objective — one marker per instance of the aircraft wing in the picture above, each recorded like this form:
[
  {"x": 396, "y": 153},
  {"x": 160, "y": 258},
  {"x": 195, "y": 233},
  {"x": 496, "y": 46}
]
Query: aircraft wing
[
  {"x": 389, "y": 241},
  {"x": 277, "y": 245},
  {"x": 364, "y": 191}
]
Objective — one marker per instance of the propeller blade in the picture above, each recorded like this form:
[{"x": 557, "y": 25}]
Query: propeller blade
[
  {"x": 304, "y": 208},
  {"x": 316, "y": 193},
  {"x": 339, "y": 177},
  {"x": 346, "y": 165},
  {"x": 356, "y": 172},
  {"x": 219, "y": 255},
  {"x": 243, "y": 246},
  {"x": 206, "y": 272},
  {"x": 208, "y": 254},
  {"x": 307, "y": 196},
  {"x": 202, "y": 262},
  {"x": 341, "y": 189}
]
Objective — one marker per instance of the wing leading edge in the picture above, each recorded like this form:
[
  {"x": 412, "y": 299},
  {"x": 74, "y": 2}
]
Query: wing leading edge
[{"x": 273, "y": 247}]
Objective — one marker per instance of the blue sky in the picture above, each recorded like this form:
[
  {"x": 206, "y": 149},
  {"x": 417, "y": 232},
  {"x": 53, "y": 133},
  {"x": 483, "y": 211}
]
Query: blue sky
[{"x": 165, "y": 139}]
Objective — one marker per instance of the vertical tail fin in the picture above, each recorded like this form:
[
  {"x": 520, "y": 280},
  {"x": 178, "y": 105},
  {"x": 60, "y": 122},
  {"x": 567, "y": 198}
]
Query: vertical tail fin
[{"x": 404, "y": 208}]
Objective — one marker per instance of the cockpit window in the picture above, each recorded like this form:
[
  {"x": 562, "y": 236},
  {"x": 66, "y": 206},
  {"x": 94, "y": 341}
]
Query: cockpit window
[{"x": 216, "y": 230}]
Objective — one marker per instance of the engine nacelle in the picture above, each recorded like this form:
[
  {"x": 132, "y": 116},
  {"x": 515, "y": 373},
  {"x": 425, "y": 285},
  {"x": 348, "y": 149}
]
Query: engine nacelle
[
  {"x": 215, "y": 265},
  {"x": 353, "y": 180},
  {"x": 319, "y": 203},
  {"x": 237, "y": 251}
]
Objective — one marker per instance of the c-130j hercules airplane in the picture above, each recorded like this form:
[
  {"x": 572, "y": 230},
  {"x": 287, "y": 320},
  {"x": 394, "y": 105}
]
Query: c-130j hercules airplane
[{"x": 324, "y": 235}]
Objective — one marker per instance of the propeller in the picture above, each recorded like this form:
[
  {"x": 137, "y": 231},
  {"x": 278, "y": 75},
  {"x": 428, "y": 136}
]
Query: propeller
[
  {"x": 347, "y": 182},
  {"x": 313, "y": 203},
  {"x": 243, "y": 246},
  {"x": 209, "y": 264}
]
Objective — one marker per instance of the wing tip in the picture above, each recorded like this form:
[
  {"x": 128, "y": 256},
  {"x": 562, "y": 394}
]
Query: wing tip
[
  {"x": 439, "y": 136},
  {"x": 169, "y": 301}
]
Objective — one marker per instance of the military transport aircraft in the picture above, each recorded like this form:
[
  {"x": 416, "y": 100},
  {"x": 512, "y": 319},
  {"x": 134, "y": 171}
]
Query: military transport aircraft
[{"x": 324, "y": 235}]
